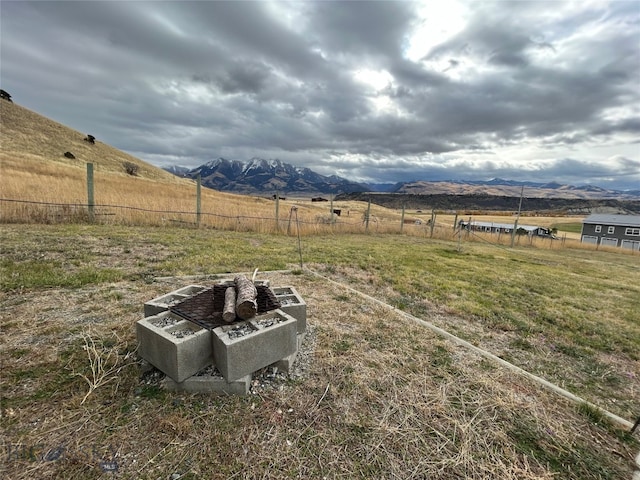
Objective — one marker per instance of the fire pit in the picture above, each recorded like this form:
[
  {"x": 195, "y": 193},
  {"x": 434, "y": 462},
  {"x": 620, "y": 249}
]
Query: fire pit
[
  {"x": 194, "y": 331},
  {"x": 205, "y": 308}
]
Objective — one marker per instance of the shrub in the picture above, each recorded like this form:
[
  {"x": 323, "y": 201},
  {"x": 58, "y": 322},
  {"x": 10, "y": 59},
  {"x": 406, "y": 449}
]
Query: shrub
[{"x": 131, "y": 168}]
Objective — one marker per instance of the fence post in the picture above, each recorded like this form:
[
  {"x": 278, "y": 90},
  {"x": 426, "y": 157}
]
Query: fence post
[
  {"x": 366, "y": 218},
  {"x": 90, "y": 198},
  {"x": 278, "y": 212},
  {"x": 402, "y": 219},
  {"x": 433, "y": 221},
  {"x": 455, "y": 222},
  {"x": 198, "y": 199},
  {"x": 331, "y": 208},
  {"x": 515, "y": 225}
]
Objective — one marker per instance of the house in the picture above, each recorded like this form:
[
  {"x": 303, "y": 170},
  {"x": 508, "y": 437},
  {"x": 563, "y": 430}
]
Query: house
[
  {"x": 492, "y": 227},
  {"x": 612, "y": 230}
]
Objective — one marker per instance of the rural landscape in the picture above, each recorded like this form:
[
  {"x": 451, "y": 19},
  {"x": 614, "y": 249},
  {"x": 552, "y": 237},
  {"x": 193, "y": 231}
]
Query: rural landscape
[{"x": 378, "y": 391}]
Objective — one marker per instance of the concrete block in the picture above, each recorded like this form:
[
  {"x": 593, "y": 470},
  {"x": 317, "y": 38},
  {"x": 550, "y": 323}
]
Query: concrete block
[
  {"x": 189, "y": 290},
  {"x": 210, "y": 383},
  {"x": 177, "y": 347},
  {"x": 292, "y": 303},
  {"x": 286, "y": 364},
  {"x": 162, "y": 303},
  {"x": 265, "y": 339}
]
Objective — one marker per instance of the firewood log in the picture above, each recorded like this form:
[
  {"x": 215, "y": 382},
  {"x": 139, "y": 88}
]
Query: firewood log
[
  {"x": 229, "y": 311},
  {"x": 246, "y": 299}
]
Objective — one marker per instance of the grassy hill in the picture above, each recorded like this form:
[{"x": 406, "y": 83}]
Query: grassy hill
[
  {"x": 34, "y": 169},
  {"x": 28, "y": 137}
]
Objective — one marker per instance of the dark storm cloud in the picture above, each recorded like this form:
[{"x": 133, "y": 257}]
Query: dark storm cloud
[
  {"x": 374, "y": 29},
  {"x": 519, "y": 89},
  {"x": 249, "y": 77}
]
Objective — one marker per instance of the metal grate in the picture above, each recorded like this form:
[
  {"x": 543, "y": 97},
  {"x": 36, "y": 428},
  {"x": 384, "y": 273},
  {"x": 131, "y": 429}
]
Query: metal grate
[{"x": 205, "y": 308}]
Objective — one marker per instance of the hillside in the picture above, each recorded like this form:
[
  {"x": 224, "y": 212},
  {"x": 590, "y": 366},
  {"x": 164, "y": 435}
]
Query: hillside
[
  {"x": 574, "y": 206},
  {"x": 29, "y": 136},
  {"x": 507, "y": 188},
  {"x": 40, "y": 185}
]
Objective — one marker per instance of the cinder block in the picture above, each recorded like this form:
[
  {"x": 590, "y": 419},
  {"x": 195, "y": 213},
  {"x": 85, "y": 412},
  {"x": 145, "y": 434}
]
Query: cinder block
[
  {"x": 292, "y": 303},
  {"x": 162, "y": 303},
  {"x": 279, "y": 291},
  {"x": 286, "y": 364},
  {"x": 208, "y": 383},
  {"x": 237, "y": 356},
  {"x": 177, "y": 347}
]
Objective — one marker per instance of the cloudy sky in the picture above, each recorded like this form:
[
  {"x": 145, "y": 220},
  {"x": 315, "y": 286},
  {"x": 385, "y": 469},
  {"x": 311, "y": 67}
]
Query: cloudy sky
[{"x": 372, "y": 91}]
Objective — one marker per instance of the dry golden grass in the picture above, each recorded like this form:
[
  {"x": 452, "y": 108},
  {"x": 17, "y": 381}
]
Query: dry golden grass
[
  {"x": 382, "y": 398},
  {"x": 28, "y": 135},
  {"x": 34, "y": 169},
  {"x": 35, "y": 174}
]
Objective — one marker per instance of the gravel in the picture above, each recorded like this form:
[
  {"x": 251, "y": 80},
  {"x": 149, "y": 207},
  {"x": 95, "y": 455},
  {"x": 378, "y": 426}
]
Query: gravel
[
  {"x": 209, "y": 371},
  {"x": 240, "y": 331},
  {"x": 164, "y": 322},
  {"x": 269, "y": 322},
  {"x": 182, "y": 333}
]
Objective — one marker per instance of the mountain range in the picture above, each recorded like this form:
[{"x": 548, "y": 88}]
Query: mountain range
[
  {"x": 260, "y": 176},
  {"x": 513, "y": 188}
]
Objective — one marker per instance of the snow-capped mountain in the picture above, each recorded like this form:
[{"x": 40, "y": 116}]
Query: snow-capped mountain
[{"x": 268, "y": 176}]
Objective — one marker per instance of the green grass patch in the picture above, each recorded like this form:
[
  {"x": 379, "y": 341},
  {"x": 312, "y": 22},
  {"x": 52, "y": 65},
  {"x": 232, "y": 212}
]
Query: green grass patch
[
  {"x": 44, "y": 274},
  {"x": 573, "y": 227}
]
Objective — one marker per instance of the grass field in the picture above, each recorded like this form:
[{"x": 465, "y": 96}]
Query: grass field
[{"x": 382, "y": 398}]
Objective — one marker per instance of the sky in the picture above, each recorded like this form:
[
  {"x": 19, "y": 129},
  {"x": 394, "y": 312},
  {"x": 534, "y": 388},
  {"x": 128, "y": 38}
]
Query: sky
[{"x": 378, "y": 92}]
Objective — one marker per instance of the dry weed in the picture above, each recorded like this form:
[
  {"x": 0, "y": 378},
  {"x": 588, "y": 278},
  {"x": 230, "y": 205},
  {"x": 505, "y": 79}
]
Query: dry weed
[{"x": 105, "y": 364}]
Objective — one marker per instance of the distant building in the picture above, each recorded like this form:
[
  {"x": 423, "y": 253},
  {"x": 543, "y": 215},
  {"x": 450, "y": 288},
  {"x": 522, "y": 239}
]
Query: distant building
[
  {"x": 492, "y": 227},
  {"x": 612, "y": 230}
]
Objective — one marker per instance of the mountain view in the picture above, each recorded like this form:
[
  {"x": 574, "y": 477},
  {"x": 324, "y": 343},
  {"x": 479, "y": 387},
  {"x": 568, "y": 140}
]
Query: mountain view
[
  {"x": 502, "y": 187},
  {"x": 259, "y": 176}
]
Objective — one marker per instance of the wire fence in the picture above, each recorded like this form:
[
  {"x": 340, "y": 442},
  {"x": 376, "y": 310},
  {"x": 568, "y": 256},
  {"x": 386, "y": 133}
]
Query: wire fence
[
  {"x": 289, "y": 223},
  {"x": 27, "y": 211}
]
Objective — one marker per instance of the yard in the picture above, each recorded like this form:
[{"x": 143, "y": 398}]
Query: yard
[{"x": 380, "y": 396}]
